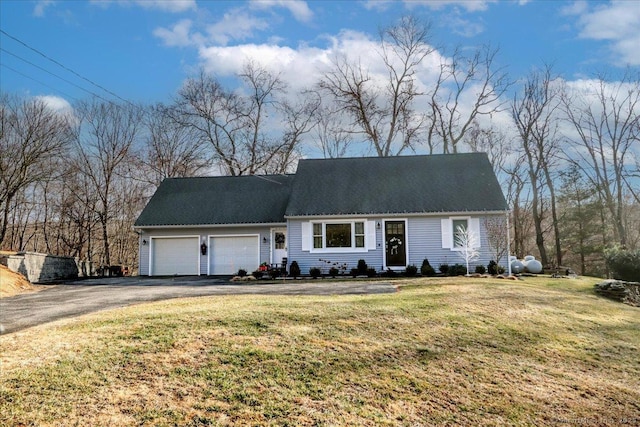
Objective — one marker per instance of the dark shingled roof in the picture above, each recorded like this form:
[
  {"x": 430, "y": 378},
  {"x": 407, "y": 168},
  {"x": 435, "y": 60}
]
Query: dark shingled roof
[
  {"x": 395, "y": 185},
  {"x": 355, "y": 186},
  {"x": 218, "y": 200}
]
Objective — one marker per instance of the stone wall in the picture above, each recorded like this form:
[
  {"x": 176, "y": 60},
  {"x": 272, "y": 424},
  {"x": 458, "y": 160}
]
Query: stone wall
[
  {"x": 42, "y": 268},
  {"x": 619, "y": 290}
]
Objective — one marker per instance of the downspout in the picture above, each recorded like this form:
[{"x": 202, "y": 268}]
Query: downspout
[{"x": 508, "y": 243}]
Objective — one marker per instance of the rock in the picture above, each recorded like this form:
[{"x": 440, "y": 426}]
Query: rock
[{"x": 619, "y": 290}]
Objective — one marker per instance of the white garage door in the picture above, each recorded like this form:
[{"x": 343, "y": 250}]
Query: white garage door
[
  {"x": 229, "y": 254},
  {"x": 175, "y": 256}
]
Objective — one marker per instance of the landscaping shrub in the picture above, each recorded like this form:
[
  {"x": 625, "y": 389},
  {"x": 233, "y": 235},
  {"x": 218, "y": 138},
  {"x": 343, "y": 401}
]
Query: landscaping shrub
[
  {"x": 333, "y": 272},
  {"x": 371, "y": 272},
  {"x": 426, "y": 269},
  {"x": 389, "y": 273},
  {"x": 314, "y": 272},
  {"x": 258, "y": 274},
  {"x": 294, "y": 269},
  {"x": 457, "y": 270},
  {"x": 492, "y": 268},
  {"x": 480, "y": 269},
  {"x": 444, "y": 269},
  {"x": 242, "y": 272},
  {"x": 362, "y": 267},
  {"x": 411, "y": 271},
  {"x": 354, "y": 272},
  {"x": 624, "y": 264}
]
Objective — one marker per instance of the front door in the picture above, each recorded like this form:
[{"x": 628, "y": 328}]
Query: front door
[
  {"x": 278, "y": 245},
  {"x": 395, "y": 243}
]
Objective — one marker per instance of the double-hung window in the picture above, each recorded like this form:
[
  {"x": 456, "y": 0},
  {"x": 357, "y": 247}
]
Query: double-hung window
[
  {"x": 458, "y": 226},
  {"x": 453, "y": 225}
]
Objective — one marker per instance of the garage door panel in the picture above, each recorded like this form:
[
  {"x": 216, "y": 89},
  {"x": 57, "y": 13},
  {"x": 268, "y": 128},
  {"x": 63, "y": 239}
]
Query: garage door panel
[
  {"x": 173, "y": 256},
  {"x": 229, "y": 254}
]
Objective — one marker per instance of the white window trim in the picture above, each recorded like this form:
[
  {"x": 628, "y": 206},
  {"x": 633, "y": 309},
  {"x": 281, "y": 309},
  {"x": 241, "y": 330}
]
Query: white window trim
[
  {"x": 448, "y": 241},
  {"x": 307, "y": 236}
]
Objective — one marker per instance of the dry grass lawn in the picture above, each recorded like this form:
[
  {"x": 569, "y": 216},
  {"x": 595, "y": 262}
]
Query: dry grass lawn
[{"x": 438, "y": 352}]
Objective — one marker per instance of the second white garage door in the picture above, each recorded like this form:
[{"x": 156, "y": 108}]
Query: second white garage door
[
  {"x": 228, "y": 254},
  {"x": 175, "y": 255}
]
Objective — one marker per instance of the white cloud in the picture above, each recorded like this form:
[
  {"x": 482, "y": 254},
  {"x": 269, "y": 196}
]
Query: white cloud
[
  {"x": 468, "y": 5},
  {"x": 41, "y": 6},
  {"x": 618, "y": 23},
  {"x": 236, "y": 24},
  {"x": 173, "y": 6},
  {"x": 464, "y": 27},
  {"x": 298, "y": 8},
  {"x": 302, "y": 67},
  {"x": 58, "y": 105},
  {"x": 178, "y": 35}
]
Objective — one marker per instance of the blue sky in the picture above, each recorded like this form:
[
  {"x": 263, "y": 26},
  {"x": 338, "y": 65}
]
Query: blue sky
[{"x": 142, "y": 50}]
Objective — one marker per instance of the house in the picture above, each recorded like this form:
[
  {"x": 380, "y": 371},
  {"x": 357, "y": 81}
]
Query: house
[{"x": 390, "y": 211}]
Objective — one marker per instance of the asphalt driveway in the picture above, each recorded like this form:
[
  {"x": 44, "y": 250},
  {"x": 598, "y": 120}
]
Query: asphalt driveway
[{"x": 87, "y": 296}]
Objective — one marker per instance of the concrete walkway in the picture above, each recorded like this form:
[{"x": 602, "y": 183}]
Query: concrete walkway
[{"x": 91, "y": 295}]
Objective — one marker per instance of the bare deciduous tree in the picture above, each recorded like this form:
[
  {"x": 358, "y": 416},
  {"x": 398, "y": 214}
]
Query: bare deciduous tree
[
  {"x": 236, "y": 125},
  {"x": 170, "y": 148},
  {"x": 467, "y": 88},
  {"x": 384, "y": 111},
  {"x": 332, "y": 136},
  {"x": 32, "y": 138},
  {"x": 534, "y": 114},
  {"x": 105, "y": 136},
  {"x": 606, "y": 119}
]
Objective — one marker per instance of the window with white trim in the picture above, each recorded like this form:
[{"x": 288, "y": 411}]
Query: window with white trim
[
  {"x": 449, "y": 228},
  {"x": 341, "y": 235},
  {"x": 456, "y": 226}
]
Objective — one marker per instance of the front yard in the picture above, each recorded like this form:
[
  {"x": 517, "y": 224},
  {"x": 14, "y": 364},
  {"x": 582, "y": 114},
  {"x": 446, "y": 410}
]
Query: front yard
[{"x": 450, "y": 351}]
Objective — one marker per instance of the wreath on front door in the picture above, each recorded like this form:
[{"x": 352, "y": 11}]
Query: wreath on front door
[{"x": 394, "y": 244}]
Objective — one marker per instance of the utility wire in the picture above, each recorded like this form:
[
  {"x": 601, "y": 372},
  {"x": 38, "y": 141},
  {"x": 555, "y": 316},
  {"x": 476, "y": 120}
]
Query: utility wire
[
  {"x": 63, "y": 66},
  {"x": 37, "y": 81},
  {"x": 53, "y": 74}
]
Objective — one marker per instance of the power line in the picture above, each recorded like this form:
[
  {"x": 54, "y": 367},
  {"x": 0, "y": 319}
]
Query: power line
[
  {"x": 37, "y": 81},
  {"x": 63, "y": 66},
  {"x": 49, "y": 72}
]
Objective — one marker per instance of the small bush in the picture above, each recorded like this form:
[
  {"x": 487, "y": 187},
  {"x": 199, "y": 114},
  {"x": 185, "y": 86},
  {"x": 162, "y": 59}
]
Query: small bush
[
  {"x": 426, "y": 269},
  {"x": 315, "y": 272},
  {"x": 457, "y": 270},
  {"x": 333, "y": 272},
  {"x": 294, "y": 269},
  {"x": 624, "y": 264},
  {"x": 481, "y": 269},
  {"x": 411, "y": 271},
  {"x": 492, "y": 268},
  {"x": 362, "y": 267},
  {"x": 242, "y": 272},
  {"x": 354, "y": 272},
  {"x": 258, "y": 274},
  {"x": 371, "y": 272},
  {"x": 389, "y": 273},
  {"x": 444, "y": 269}
]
